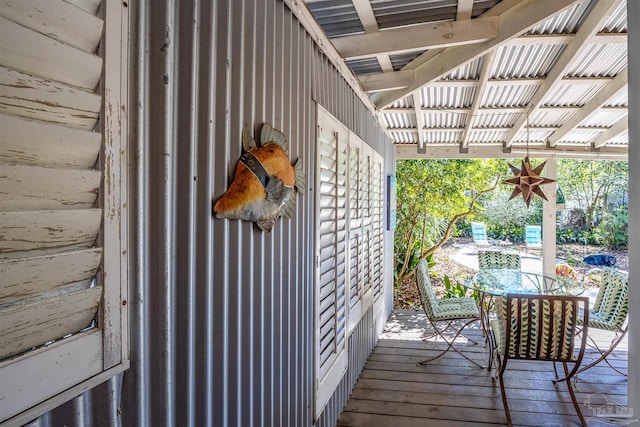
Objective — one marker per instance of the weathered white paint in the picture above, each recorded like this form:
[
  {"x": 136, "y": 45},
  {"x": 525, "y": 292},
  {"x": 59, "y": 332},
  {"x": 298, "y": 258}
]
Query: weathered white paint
[
  {"x": 32, "y": 188},
  {"x": 45, "y": 231},
  {"x": 113, "y": 165},
  {"x": 28, "y": 142},
  {"x": 32, "y": 97},
  {"x": 23, "y": 326},
  {"x": 25, "y": 50},
  {"x": 57, "y": 19},
  {"x": 90, "y": 6},
  {"x": 26, "y": 277},
  {"x": 40, "y": 374}
]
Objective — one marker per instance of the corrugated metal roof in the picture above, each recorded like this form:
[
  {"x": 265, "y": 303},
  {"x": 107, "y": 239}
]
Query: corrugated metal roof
[
  {"x": 399, "y": 120},
  {"x": 481, "y": 6},
  {"x": 443, "y": 137},
  {"x": 600, "y": 60},
  {"x": 364, "y": 66},
  {"x": 443, "y": 119},
  {"x": 336, "y": 17},
  {"x": 406, "y": 102},
  {"x": 508, "y": 86},
  {"x": 488, "y": 119},
  {"x": 622, "y": 139},
  {"x": 620, "y": 100},
  {"x": 447, "y": 97},
  {"x": 508, "y": 96},
  {"x": 617, "y": 22},
  {"x": 392, "y": 13},
  {"x": 487, "y": 136},
  {"x": 567, "y": 94},
  {"x": 525, "y": 61},
  {"x": 400, "y": 60},
  {"x": 469, "y": 71},
  {"x": 580, "y": 136},
  {"x": 405, "y": 137},
  {"x": 565, "y": 22},
  {"x": 604, "y": 118},
  {"x": 544, "y": 117},
  {"x": 533, "y": 136}
]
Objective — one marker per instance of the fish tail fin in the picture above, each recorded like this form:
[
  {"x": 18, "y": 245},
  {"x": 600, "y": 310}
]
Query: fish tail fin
[
  {"x": 300, "y": 177},
  {"x": 248, "y": 143},
  {"x": 289, "y": 207},
  {"x": 269, "y": 134}
]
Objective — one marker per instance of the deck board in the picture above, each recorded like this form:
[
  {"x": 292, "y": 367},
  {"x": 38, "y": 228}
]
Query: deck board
[{"x": 394, "y": 391}]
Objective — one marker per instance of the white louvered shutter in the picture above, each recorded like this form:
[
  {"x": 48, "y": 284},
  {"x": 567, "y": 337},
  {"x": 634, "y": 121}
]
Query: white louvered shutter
[
  {"x": 61, "y": 321},
  {"x": 331, "y": 269},
  {"x": 377, "y": 197}
]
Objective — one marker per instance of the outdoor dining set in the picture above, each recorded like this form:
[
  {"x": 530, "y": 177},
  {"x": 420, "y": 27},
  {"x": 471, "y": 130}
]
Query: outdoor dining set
[{"x": 529, "y": 316}]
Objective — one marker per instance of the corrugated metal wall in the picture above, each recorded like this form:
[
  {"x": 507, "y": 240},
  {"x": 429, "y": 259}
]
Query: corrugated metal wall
[{"x": 222, "y": 314}]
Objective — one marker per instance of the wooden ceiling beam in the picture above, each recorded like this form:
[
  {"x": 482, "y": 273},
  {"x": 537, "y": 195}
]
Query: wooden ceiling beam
[
  {"x": 417, "y": 37},
  {"x": 494, "y": 151},
  {"x": 370, "y": 24},
  {"x": 620, "y": 126},
  {"x": 618, "y": 84},
  {"x": 513, "y": 22},
  {"x": 592, "y": 24},
  {"x": 485, "y": 74}
]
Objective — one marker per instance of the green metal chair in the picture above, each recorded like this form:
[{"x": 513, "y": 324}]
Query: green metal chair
[
  {"x": 444, "y": 312},
  {"x": 540, "y": 327},
  {"x": 498, "y": 259},
  {"x": 610, "y": 313}
]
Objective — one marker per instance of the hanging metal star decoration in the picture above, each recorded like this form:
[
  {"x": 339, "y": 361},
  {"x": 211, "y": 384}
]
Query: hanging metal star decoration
[{"x": 527, "y": 180}]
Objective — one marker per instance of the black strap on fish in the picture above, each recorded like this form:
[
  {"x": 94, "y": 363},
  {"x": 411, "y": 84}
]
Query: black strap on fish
[{"x": 254, "y": 165}]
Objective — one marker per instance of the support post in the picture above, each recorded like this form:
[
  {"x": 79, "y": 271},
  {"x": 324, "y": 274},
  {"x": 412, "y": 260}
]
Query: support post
[
  {"x": 549, "y": 221},
  {"x": 633, "y": 19}
]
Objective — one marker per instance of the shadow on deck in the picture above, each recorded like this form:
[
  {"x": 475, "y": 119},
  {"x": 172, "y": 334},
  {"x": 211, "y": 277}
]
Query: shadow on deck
[{"x": 393, "y": 391}]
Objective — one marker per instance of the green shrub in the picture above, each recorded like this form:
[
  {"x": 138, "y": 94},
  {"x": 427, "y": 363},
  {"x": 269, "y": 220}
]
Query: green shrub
[{"x": 613, "y": 230}]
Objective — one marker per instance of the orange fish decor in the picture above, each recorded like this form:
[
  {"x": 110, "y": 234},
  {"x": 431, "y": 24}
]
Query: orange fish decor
[{"x": 265, "y": 183}]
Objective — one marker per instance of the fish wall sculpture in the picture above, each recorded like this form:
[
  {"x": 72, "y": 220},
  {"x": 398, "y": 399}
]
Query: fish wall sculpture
[{"x": 265, "y": 184}]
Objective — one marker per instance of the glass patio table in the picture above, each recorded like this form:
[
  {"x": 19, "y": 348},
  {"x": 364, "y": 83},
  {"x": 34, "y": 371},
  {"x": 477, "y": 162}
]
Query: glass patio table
[
  {"x": 501, "y": 281},
  {"x": 496, "y": 282}
]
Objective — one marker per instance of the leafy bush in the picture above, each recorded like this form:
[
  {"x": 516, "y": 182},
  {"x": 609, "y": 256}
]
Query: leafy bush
[
  {"x": 613, "y": 230},
  {"x": 453, "y": 289},
  {"x": 506, "y": 219}
]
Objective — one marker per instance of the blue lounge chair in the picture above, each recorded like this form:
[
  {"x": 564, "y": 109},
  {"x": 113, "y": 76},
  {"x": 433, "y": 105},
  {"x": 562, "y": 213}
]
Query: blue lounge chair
[
  {"x": 533, "y": 236},
  {"x": 479, "y": 233}
]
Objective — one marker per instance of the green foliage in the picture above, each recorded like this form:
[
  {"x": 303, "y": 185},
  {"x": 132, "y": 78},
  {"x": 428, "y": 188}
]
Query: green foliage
[
  {"x": 593, "y": 184},
  {"x": 506, "y": 219},
  {"x": 432, "y": 195},
  {"x": 453, "y": 290},
  {"x": 613, "y": 230}
]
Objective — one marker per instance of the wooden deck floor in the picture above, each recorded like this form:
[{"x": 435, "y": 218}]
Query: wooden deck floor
[{"x": 393, "y": 391}]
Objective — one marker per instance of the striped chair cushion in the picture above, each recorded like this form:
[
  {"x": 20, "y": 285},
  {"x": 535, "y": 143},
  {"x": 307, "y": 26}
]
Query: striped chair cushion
[
  {"x": 612, "y": 303},
  {"x": 546, "y": 328},
  {"x": 495, "y": 259},
  {"x": 445, "y": 308}
]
